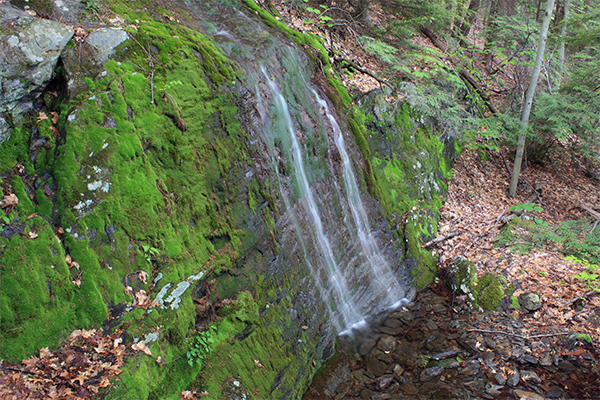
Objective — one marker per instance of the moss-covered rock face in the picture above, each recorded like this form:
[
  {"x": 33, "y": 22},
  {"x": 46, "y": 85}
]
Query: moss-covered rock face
[
  {"x": 160, "y": 177},
  {"x": 410, "y": 164}
]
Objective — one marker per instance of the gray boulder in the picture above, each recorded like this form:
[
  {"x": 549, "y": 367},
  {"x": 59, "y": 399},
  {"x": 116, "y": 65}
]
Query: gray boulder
[
  {"x": 530, "y": 301},
  {"x": 29, "y": 50}
]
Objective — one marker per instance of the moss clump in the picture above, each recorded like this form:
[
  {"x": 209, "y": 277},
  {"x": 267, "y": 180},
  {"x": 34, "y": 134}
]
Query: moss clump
[{"x": 490, "y": 291}]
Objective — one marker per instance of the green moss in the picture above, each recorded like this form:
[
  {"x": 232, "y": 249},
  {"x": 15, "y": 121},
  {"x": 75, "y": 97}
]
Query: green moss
[
  {"x": 25, "y": 205},
  {"x": 489, "y": 291}
]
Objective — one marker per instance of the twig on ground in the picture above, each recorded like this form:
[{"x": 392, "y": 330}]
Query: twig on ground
[
  {"x": 588, "y": 294},
  {"x": 519, "y": 336},
  {"x": 440, "y": 239}
]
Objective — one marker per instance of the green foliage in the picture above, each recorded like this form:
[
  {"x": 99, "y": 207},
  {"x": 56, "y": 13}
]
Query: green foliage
[
  {"x": 201, "y": 346},
  {"x": 573, "y": 238},
  {"x": 526, "y": 207},
  {"x": 383, "y": 51},
  {"x": 589, "y": 277},
  {"x": 585, "y": 336},
  {"x": 150, "y": 253},
  {"x": 413, "y": 14}
]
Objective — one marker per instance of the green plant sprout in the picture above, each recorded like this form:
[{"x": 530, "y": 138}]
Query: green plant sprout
[
  {"x": 590, "y": 280},
  {"x": 585, "y": 337},
  {"x": 150, "y": 252},
  {"x": 201, "y": 347}
]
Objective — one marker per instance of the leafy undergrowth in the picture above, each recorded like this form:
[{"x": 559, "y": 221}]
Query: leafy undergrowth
[{"x": 477, "y": 201}]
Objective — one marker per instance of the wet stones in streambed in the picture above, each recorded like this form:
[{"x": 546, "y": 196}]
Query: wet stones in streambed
[{"x": 433, "y": 352}]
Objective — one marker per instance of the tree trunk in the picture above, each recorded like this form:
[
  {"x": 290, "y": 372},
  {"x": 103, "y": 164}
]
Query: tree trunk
[
  {"x": 362, "y": 11},
  {"x": 468, "y": 20},
  {"x": 561, "y": 49},
  {"x": 529, "y": 100}
]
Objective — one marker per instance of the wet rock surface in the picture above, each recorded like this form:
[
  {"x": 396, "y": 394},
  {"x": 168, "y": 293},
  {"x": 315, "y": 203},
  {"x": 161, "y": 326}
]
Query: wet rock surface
[{"x": 439, "y": 350}]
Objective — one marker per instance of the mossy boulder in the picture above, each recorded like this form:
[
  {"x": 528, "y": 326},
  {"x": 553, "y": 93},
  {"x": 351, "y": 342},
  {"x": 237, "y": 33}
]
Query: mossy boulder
[{"x": 485, "y": 292}]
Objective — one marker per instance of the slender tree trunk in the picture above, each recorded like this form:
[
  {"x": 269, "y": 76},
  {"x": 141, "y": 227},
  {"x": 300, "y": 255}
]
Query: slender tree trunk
[
  {"x": 362, "y": 11},
  {"x": 529, "y": 100},
  {"x": 468, "y": 20},
  {"x": 561, "y": 49}
]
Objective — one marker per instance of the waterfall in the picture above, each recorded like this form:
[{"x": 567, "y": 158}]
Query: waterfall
[
  {"x": 382, "y": 279},
  {"x": 352, "y": 266},
  {"x": 347, "y": 302}
]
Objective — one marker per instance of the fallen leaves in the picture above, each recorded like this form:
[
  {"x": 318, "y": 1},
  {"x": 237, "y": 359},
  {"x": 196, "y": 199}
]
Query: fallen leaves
[
  {"x": 75, "y": 270},
  {"x": 141, "y": 346},
  {"x": 9, "y": 200},
  {"x": 76, "y": 370},
  {"x": 477, "y": 198}
]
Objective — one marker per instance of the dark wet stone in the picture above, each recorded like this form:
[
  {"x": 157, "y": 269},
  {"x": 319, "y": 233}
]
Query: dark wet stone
[
  {"x": 409, "y": 389},
  {"x": 382, "y": 396},
  {"x": 360, "y": 376},
  {"x": 387, "y": 358},
  {"x": 554, "y": 393},
  {"x": 345, "y": 386},
  {"x": 493, "y": 390},
  {"x": 384, "y": 381},
  {"x": 517, "y": 353},
  {"x": 471, "y": 368},
  {"x": 445, "y": 393},
  {"x": 530, "y": 301},
  {"x": 367, "y": 394},
  {"x": 398, "y": 370},
  {"x": 435, "y": 341},
  {"x": 432, "y": 326},
  {"x": 365, "y": 347},
  {"x": 530, "y": 377},
  {"x": 467, "y": 346},
  {"x": 406, "y": 351},
  {"x": 513, "y": 379},
  {"x": 546, "y": 361},
  {"x": 500, "y": 379},
  {"x": 387, "y": 344},
  {"x": 528, "y": 360},
  {"x": 375, "y": 366},
  {"x": 434, "y": 371},
  {"x": 444, "y": 355},
  {"x": 488, "y": 356},
  {"x": 525, "y": 395},
  {"x": 566, "y": 366},
  {"x": 490, "y": 343},
  {"x": 390, "y": 331}
]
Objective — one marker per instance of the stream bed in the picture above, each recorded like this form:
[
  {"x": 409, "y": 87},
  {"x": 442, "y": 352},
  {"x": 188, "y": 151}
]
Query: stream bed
[{"x": 439, "y": 348}]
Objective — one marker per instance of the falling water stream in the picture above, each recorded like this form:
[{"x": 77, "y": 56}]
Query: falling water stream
[{"x": 355, "y": 273}]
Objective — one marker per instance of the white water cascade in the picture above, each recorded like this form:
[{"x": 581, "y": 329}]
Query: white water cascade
[{"x": 347, "y": 302}]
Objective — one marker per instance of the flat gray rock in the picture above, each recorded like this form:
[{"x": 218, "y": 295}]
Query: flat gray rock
[{"x": 105, "y": 41}]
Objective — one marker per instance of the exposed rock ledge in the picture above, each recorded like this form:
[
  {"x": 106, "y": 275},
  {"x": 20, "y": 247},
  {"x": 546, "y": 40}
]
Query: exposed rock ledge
[{"x": 29, "y": 50}]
